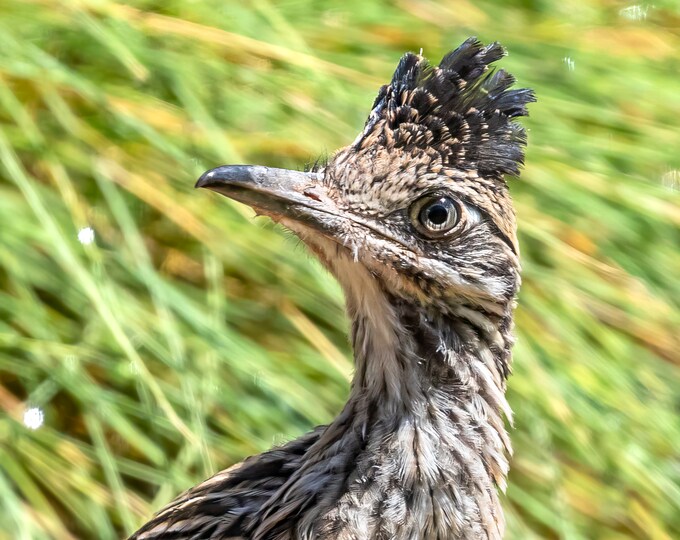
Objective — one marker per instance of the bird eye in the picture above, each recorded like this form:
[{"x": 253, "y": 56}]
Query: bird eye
[{"x": 434, "y": 215}]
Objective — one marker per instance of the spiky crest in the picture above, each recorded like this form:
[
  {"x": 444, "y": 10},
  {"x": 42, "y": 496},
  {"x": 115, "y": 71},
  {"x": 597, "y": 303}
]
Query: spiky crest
[{"x": 461, "y": 109}]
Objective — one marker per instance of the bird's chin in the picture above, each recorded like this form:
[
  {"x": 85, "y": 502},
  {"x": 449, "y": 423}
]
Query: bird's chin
[{"x": 324, "y": 245}]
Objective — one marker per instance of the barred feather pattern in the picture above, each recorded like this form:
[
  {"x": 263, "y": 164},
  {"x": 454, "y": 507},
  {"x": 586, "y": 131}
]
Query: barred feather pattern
[
  {"x": 460, "y": 109},
  {"x": 417, "y": 452}
]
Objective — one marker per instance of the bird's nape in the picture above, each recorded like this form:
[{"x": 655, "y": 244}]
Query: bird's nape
[{"x": 415, "y": 220}]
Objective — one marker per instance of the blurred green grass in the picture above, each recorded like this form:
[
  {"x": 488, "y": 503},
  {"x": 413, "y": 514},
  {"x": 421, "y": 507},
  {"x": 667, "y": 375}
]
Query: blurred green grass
[{"x": 186, "y": 336}]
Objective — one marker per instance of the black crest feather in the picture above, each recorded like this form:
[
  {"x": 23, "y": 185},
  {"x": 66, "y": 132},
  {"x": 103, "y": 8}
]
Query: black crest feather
[{"x": 460, "y": 108}]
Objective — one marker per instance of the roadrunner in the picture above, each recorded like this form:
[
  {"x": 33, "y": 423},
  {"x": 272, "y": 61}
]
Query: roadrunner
[{"x": 415, "y": 221}]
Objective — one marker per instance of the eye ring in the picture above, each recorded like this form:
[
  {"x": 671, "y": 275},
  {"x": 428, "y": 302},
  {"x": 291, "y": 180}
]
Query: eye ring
[{"x": 435, "y": 215}]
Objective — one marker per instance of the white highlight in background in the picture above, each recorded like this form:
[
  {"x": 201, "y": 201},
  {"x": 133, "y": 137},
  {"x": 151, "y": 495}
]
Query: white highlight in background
[
  {"x": 86, "y": 235},
  {"x": 34, "y": 417},
  {"x": 635, "y": 13}
]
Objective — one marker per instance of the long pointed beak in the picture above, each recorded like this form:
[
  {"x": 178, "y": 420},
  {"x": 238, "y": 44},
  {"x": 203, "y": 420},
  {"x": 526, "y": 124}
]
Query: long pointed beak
[
  {"x": 278, "y": 193},
  {"x": 255, "y": 185}
]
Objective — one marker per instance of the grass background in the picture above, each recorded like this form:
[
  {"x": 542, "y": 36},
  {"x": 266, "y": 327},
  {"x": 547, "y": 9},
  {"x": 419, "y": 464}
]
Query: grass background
[{"x": 186, "y": 336}]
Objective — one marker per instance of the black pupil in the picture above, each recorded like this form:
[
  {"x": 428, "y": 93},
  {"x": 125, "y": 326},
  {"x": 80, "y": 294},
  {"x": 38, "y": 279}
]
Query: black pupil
[{"x": 437, "y": 214}]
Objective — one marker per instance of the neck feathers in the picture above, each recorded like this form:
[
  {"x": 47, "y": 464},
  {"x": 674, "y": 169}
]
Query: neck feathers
[
  {"x": 426, "y": 417},
  {"x": 420, "y": 447}
]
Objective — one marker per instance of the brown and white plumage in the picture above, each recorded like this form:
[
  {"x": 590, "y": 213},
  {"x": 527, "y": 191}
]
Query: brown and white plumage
[{"x": 415, "y": 221}]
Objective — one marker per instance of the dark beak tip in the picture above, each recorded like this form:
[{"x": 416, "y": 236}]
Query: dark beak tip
[
  {"x": 226, "y": 174},
  {"x": 204, "y": 180}
]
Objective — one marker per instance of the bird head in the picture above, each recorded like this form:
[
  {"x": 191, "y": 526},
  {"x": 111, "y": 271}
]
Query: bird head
[{"x": 418, "y": 203}]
